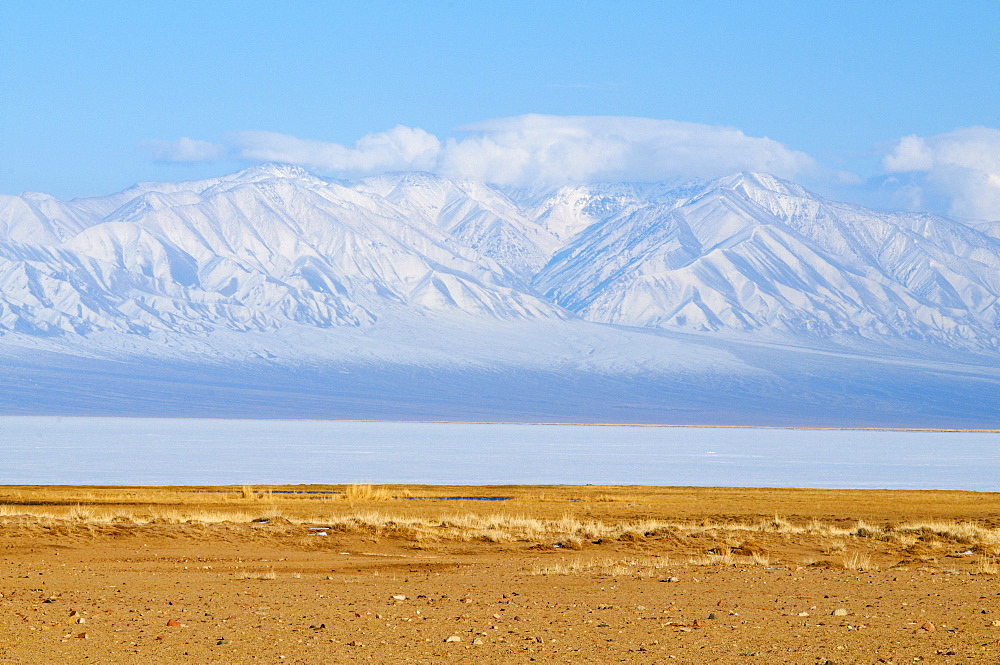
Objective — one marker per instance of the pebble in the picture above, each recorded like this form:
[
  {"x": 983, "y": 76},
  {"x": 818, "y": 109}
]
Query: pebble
[
  {"x": 173, "y": 622},
  {"x": 399, "y": 597},
  {"x": 803, "y": 614},
  {"x": 453, "y": 638},
  {"x": 478, "y": 640},
  {"x": 839, "y": 612},
  {"x": 928, "y": 626},
  {"x": 81, "y": 636},
  {"x": 995, "y": 623}
]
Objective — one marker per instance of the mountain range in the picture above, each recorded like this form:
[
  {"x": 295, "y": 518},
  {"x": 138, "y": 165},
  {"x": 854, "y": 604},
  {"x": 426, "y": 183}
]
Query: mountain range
[{"x": 743, "y": 300}]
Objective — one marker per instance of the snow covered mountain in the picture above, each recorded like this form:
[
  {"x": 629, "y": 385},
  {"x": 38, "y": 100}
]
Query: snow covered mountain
[
  {"x": 754, "y": 253},
  {"x": 682, "y": 301},
  {"x": 268, "y": 246},
  {"x": 275, "y": 245}
]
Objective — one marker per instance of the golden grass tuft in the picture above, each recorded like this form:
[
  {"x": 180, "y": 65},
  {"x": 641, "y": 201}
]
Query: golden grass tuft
[
  {"x": 857, "y": 561},
  {"x": 572, "y": 543},
  {"x": 644, "y": 567},
  {"x": 361, "y": 493},
  {"x": 251, "y": 493},
  {"x": 988, "y": 566},
  {"x": 255, "y": 575}
]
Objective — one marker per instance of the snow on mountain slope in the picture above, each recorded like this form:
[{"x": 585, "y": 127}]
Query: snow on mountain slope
[
  {"x": 249, "y": 251},
  {"x": 455, "y": 367},
  {"x": 476, "y": 215},
  {"x": 275, "y": 246},
  {"x": 991, "y": 229},
  {"x": 36, "y": 218},
  {"x": 753, "y": 253}
]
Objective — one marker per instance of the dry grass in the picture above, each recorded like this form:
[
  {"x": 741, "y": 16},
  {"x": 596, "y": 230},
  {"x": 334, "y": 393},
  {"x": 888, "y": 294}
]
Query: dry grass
[
  {"x": 644, "y": 567},
  {"x": 988, "y": 566},
  {"x": 857, "y": 561},
  {"x": 255, "y": 575},
  {"x": 250, "y": 493},
  {"x": 698, "y": 526},
  {"x": 567, "y": 531},
  {"x": 362, "y": 493},
  {"x": 724, "y": 556}
]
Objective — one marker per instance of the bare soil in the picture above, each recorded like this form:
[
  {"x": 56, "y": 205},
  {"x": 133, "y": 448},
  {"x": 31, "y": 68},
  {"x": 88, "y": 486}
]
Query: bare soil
[{"x": 553, "y": 574}]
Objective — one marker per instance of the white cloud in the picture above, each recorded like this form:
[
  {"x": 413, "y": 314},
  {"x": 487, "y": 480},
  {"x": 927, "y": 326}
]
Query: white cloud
[
  {"x": 909, "y": 154},
  {"x": 962, "y": 167},
  {"x": 184, "y": 150},
  {"x": 398, "y": 149},
  {"x": 557, "y": 149},
  {"x": 522, "y": 150}
]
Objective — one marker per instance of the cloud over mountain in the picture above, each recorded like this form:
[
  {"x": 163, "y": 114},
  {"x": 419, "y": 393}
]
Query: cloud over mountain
[
  {"x": 523, "y": 150},
  {"x": 184, "y": 149},
  {"x": 962, "y": 167},
  {"x": 560, "y": 149},
  {"x": 398, "y": 149},
  {"x": 957, "y": 172}
]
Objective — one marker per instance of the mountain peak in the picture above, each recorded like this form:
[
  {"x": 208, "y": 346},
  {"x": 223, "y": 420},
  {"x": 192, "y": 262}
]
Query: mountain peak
[
  {"x": 753, "y": 181},
  {"x": 272, "y": 170},
  {"x": 36, "y": 196}
]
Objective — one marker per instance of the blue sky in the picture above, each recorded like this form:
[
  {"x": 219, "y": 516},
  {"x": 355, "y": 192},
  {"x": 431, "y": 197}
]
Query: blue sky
[{"x": 890, "y": 103}]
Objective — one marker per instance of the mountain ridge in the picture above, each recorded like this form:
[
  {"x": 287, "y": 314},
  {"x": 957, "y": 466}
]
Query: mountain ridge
[{"x": 274, "y": 245}]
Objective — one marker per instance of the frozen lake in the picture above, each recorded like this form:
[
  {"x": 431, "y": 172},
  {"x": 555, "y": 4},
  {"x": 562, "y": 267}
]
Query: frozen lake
[{"x": 154, "y": 451}]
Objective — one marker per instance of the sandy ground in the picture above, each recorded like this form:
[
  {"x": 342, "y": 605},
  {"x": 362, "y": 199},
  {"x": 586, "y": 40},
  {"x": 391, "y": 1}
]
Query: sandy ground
[{"x": 87, "y": 590}]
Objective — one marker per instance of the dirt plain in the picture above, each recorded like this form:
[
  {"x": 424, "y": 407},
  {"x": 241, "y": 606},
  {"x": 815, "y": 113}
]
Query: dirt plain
[{"x": 433, "y": 574}]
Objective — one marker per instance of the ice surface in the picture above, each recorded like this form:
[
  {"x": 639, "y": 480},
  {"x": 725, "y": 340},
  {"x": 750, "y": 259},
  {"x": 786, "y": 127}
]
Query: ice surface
[{"x": 149, "y": 451}]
